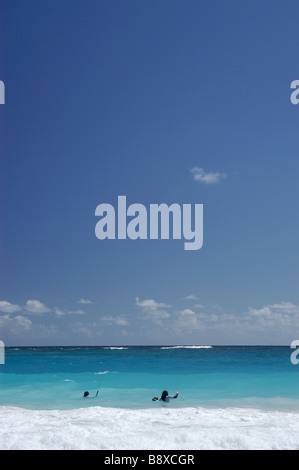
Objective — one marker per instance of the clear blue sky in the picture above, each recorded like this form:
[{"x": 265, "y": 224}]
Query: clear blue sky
[{"x": 108, "y": 98}]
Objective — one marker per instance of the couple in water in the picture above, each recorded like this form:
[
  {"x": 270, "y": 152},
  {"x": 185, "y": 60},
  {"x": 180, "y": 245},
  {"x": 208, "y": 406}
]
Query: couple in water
[{"x": 164, "y": 397}]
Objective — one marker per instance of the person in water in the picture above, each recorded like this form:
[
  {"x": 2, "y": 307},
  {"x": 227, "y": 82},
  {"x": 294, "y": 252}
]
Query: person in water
[
  {"x": 87, "y": 394},
  {"x": 166, "y": 397}
]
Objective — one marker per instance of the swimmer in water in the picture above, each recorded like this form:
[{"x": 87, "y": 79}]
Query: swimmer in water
[{"x": 166, "y": 397}]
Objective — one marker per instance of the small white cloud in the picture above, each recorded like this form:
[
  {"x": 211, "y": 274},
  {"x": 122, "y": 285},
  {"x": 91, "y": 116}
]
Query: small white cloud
[
  {"x": 191, "y": 297},
  {"x": 275, "y": 310},
  {"x": 285, "y": 314},
  {"x": 15, "y": 324},
  {"x": 61, "y": 313},
  {"x": 150, "y": 304},
  {"x": 90, "y": 330},
  {"x": 84, "y": 301},
  {"x": 187, "y": 320},
  {"x": 153, "y": 310},
  {"x": 199, "y": 174},
  {"x": 23, "y": 322},
  {"x": 7, "y": 307},
  {"x": 187, "y": 311},
  {"x": 36, "y": 307},
  {"x": 118, "y": 320},
  {"x": 5, "y": 320},
  {"x": 287, "y": 307}
]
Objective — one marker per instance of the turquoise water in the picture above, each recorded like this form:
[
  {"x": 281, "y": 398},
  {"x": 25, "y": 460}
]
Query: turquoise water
[{"x": 128, "y": 377}]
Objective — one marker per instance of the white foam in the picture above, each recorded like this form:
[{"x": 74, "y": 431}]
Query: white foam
[
  {"x": 151, "y": 429},
  {"x": 102, "y": 373}
]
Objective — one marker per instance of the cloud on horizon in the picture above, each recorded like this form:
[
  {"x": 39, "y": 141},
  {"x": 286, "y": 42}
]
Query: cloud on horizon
[
  {"x": 153, "y": 310},
  {"x": 155, "y": 321}
]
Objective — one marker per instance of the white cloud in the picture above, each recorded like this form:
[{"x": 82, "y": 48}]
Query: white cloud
[
  {"x": 191, "y": 297},
  {"x": 23, "y": 322},
  {"x": 274, "y": 310},
  {"x": 84, "y": 301},
  {"x": 61, "y": 313},
  {"x": 187, "y": 320},
  {"x": 269, "y": 321},
  {"x": 90, "y": 330},
  {"x": 150, "y": 304},
  {"x": 287, "y": 307},
  {"x": 4, "y": 320},
  {"x": 153, "y": 310},
  {"x": 118, "y": 320},
  {"x": 36, "y": 307},
  {"x": 187, "y": 311},
  {"x": 7, "y": 307},
  {"x": 285, "y": 314},
  {"x": 199, "y": 174},
  {"x": 15, "y": 325}
]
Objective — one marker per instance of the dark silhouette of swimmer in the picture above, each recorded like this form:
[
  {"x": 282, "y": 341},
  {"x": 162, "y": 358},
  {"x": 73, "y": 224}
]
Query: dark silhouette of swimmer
[
  {"x": 87, "y": 394},
  {"x": 165, "y": 396}
]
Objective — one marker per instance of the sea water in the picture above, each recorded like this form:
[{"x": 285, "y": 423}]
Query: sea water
[{"x": 229, "y": 398}]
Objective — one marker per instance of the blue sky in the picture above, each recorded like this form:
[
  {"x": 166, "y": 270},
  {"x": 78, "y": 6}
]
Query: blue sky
[{"x": 108, "y": 98}]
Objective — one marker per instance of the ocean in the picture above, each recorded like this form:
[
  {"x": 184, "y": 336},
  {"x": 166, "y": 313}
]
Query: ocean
[{"x": 230, "y": 397}]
